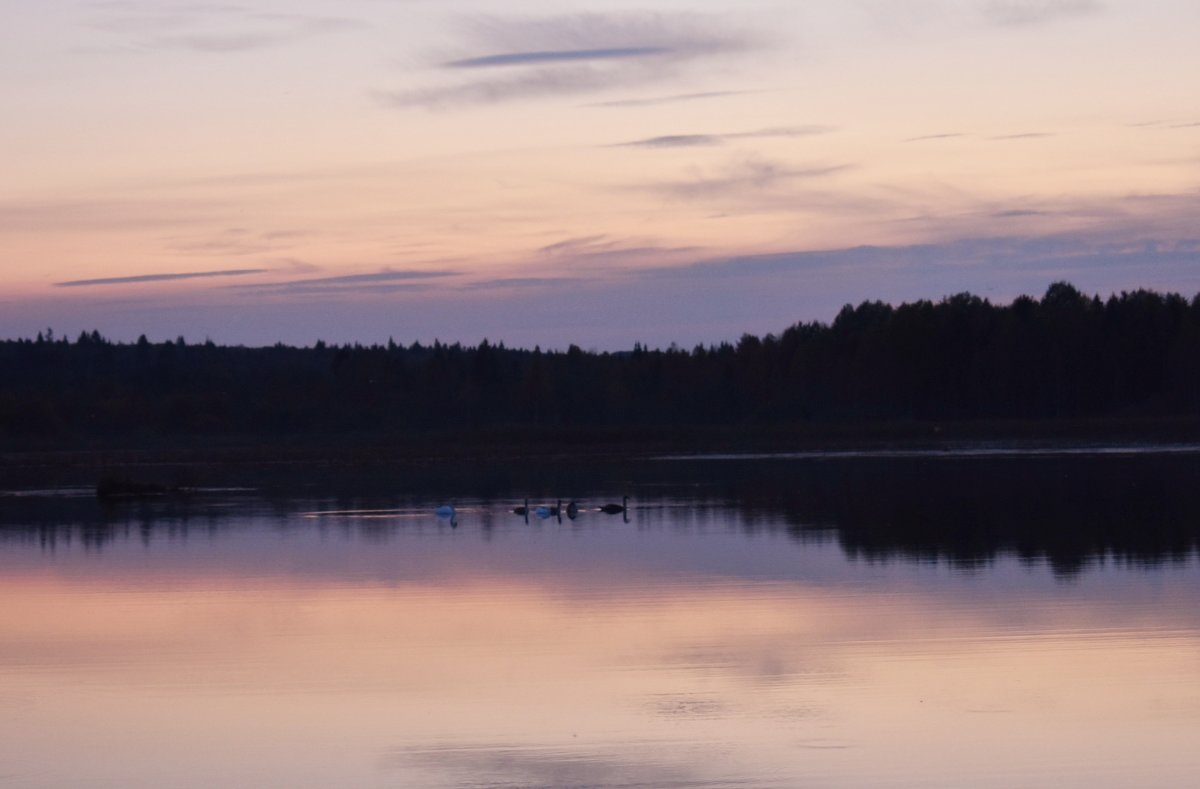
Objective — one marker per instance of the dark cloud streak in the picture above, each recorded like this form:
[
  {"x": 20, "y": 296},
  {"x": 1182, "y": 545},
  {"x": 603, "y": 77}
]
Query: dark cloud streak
[
  {"x": 85, "y": 283},
  {"x": 672, "y": 99},
  {"x": 577, "y": 54},
  {"x": 744, "y": 178},
  {"x": 540, "y": 83},
  {"x": 559, "y": 56},
  {"x": 522, "y": 282},
  {"x": 946, "y": 136},
  {"x": 574, "y": 244},
  {"x": 674, "y": 141},
  {"x": 1023, "y": 136},
  {"x": 1014, "y": 213},
  {"x": 379, "y": 281},
  {"x": 694, "y": 140},
  {"x": 371, "y": 289}
]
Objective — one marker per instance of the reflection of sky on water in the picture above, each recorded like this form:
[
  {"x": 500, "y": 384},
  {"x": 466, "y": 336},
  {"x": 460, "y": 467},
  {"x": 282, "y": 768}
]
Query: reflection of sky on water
[{"x": 699, "y": 645}]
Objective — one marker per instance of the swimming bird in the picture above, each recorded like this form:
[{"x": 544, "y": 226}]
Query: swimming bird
[
  {"x": 572, "y": 510},
  {"x": 615, "y": 509},
  {"x": 447, "y": 511},
  {"x": 544, "y": 512}
]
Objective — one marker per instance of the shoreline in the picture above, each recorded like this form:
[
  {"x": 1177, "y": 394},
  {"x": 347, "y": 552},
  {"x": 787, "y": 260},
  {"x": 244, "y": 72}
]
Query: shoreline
[{"x": 587, "y": 445}]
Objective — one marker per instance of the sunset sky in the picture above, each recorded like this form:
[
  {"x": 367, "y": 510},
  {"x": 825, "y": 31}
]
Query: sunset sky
[{"x": 582, "y": 172}]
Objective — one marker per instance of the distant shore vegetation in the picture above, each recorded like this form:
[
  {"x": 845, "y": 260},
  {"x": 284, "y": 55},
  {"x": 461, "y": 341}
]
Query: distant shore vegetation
[{"x": 1065, "y": 356}]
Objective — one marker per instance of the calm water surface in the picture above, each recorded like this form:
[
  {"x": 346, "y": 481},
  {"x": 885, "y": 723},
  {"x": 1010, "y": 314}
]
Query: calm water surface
[{"x": 744, "y": 628}]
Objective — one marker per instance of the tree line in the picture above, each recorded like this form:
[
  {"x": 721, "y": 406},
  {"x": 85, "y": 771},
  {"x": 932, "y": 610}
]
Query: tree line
[{"x": 1065, "y": 355}]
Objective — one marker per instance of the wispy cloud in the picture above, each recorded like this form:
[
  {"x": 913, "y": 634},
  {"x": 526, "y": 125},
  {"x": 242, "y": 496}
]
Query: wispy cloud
[
  {"x": 138, "y": 278},
  {"x": 1013, "y": 213},
  {"x": 943, "y": 136},
  {"x": 608, "y": 35},
  {"x": 219, "y": 247},
  {"x": 508, "y": 283},
  {"x": 574, "y": 54},
  {"x": 1027, "y": 13},
  {"x": 573, "y": 245},
  {"x": 367, "y": 289},
  {"x": 541, "y": 83},
  {"x": 1023, "y": 136},
  {"x": 674, "y": 141},
  {"x": 694, "y": 140},
  {"x": 1110, "y": 220},
  {"x": 603, "y": 254},
  {"x": 1165, "y": 125},
  {"x": 387, "y": 280},
  {"x": 35, "y": 216},
  {"x": 998, "y": 137},
  {"x": 207, "y": 27},
  {"x": 743, "y": 177},
  {"x": 234, "y": 241},
  {"x": 296, "y": 265},
  {"x": 674, "y": 98},
  {"x": 1048, "y": 257},
  {"x": 560, "y": 56}
]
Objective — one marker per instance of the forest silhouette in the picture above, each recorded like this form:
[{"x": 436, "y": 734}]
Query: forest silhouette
[{"x": 1063, "y": 356}]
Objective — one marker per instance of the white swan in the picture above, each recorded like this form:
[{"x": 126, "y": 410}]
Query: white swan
[
  {"x": 447, "y": 511},
  {"x": 544, "y": 512}
]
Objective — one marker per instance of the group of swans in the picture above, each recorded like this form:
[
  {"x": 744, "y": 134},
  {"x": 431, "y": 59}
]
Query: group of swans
[{"x": 572, "y": 510}]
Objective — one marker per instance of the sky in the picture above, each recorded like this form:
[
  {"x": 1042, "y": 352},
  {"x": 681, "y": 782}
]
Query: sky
[{"x": 582, "y": 172}]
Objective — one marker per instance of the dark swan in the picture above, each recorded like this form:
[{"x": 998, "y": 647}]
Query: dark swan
[{"x": 615, "y": 509}]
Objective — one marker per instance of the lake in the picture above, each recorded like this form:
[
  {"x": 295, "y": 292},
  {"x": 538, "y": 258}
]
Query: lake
[{"x": 921, "y": 619}]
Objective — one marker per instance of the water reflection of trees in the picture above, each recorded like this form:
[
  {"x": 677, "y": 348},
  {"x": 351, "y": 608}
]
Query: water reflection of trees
[{"x": 1071, "y": 512}]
